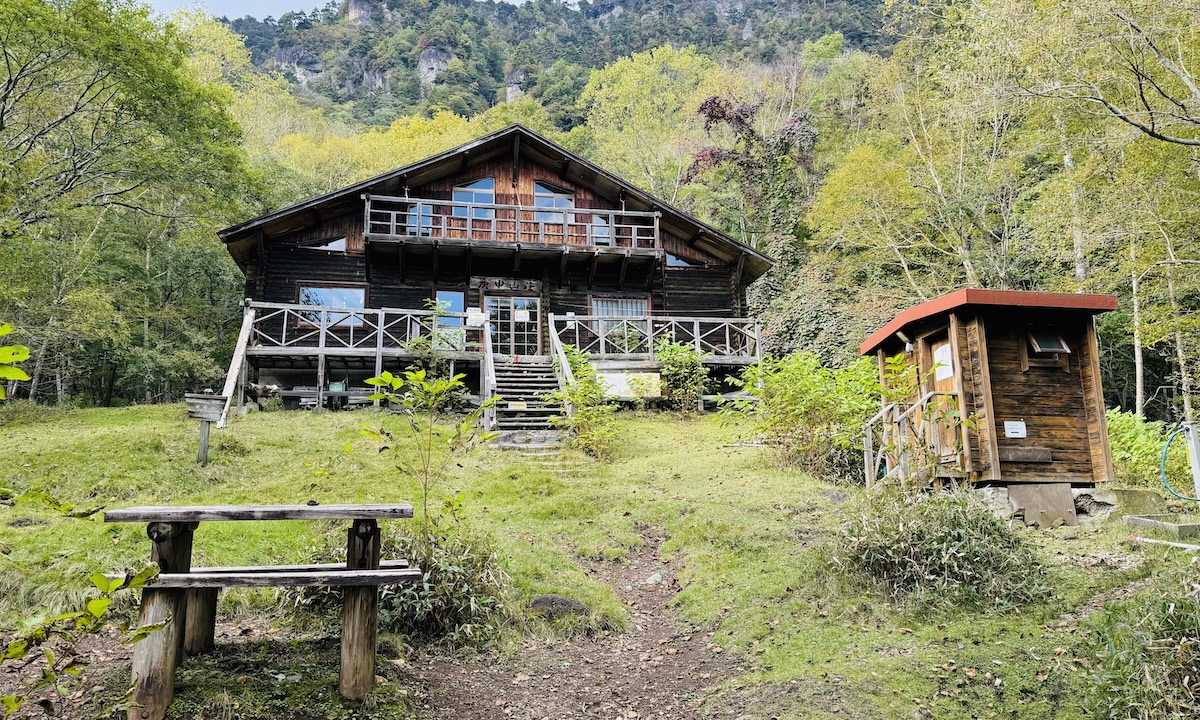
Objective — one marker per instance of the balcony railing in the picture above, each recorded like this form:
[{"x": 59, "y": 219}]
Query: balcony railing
[
  {"x": 288, "y": 327},
  {"x": 392, "y": 218},
  {"x": 619, "y": 338}
]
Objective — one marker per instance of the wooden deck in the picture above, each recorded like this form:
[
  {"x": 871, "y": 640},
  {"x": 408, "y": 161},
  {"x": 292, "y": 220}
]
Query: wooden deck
[{"x": 308, "y": 337}]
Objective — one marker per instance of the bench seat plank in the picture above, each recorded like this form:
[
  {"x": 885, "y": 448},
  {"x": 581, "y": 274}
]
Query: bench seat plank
[
  {"x": 183, "y": 514},
  {"x": 302, "y": 578},
  {"x": 383, "y": 565}
]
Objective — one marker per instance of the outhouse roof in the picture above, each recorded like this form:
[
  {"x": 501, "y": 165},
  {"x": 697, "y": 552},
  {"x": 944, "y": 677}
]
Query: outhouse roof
[{"x": 980, "y": 298}]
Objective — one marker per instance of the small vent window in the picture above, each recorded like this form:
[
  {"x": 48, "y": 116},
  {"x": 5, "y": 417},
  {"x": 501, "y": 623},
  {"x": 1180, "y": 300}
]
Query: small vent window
[
  {"x": 335, "y": 245},
  {"x": 1045, "y": 342}
]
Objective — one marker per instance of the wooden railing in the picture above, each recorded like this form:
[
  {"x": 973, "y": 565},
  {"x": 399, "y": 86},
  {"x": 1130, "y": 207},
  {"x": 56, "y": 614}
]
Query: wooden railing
[
  {"x": 371, "y": 330},
  {"x": 562, "y": 370},
  {"x": 634, "y": 337},
  {"x": 389, "y": 217},
  {"x": 905, "y": 442},
  {"x": 488, "y": 383}
]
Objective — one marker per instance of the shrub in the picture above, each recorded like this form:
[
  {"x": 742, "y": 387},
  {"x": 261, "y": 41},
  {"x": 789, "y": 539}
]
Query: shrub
[
  {"x": 590, "y": 424},
  {"x": 940, "y": 551},
  {"x": 1145, "y": 653},
  {"x": 809, "y": 414},
  {"x": 1137, "y": 447},
  {"x": 683, "y": 373},
  {"x": 459, "y": 600}
]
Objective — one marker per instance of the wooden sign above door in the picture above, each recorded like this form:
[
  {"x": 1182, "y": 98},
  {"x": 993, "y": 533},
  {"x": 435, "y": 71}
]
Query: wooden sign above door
[{"x": 507, "y": 284}]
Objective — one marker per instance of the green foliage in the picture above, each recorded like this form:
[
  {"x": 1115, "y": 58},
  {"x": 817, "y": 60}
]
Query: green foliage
[
  {"x": 684, "y": 376},
  {"x": 459, "y": 600},
  {"x": 10, "y": 355},
  {"x": 55, "y": 637},
  {"x": 940, "y": 552},
  {"x": 589, "y": 419},
  {"x": 433, "y": 446},
  {"x": 1145, "y": 653},
  {"x": 811, "y": 415},
  {"x": 1137, "y": 447}
]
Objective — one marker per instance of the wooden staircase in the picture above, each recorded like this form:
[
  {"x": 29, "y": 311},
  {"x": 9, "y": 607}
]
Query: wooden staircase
[{"x": 522, "y": 388}]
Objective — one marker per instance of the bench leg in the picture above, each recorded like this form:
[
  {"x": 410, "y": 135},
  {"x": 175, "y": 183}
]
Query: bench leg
[
  {"x": 201, "y": 623},
  {"x": 156, "y": 655},
  {"x": 360, "y": 614}
]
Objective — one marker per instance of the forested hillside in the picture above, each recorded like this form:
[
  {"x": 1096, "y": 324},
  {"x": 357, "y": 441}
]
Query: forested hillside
[
  {"x": 374, "y": 60},
  {"x": 883, "y": 153}
]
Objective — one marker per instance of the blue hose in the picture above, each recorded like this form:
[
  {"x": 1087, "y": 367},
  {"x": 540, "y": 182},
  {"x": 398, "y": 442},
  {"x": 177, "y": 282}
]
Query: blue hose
[{"x": 1162, "y": 468}]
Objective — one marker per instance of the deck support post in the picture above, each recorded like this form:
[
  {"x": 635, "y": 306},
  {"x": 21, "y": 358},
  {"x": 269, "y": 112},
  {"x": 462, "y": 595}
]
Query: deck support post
[
  {"x": 379, "y": 349},
  {"x": 321, "y": 361},
  {"x": 157, "y": 655},
  {"x": 360, "y": 614}
]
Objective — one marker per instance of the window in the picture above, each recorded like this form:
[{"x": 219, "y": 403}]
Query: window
[
  {"x": 340, "y": 298},
  {"x": 1047, "y": 342},
  {"x": 450, "y": 333},
  {"x": 548, "y": 196},
  {"x": 336, "y": 245},
  {"x": 610, "y": 306},
  {"x": 481, "y": 192},
  {"x": 601, "y": 232},
  {"x": 619, "y": 334},
  {"x": 419, "y": 219},
  {"x": 675, "y": 261}
]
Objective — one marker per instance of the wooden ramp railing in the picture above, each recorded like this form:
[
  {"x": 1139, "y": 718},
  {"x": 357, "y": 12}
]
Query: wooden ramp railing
[
  {"x": 906, "y": 441},
  {"x": 236, "y": 376}
]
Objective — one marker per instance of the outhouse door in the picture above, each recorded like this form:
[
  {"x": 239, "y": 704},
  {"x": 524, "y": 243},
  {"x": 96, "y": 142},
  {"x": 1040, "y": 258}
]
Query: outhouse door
[{"x": 942, "y": 381}]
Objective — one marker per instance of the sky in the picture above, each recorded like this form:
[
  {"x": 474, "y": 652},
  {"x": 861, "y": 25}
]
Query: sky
[{"x": 239, "y": 8}]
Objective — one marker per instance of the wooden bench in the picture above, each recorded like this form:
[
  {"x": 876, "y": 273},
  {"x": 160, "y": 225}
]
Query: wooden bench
[{"x": 185, "y": 598}]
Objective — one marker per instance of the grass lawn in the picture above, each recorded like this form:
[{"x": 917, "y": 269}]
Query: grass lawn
[{"x": 752, "y": 539}]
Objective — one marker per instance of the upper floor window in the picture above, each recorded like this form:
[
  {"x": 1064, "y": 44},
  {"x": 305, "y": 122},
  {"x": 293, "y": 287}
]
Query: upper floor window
[
  {"x": 335, "y": 245},
  {"x": 601, "y": 232},
  {"x": 676, "y": 261},
  {"x": 546, "y": 195},
  {"x": 419, "y": 219},
  {"x": 481, "y": 192}
]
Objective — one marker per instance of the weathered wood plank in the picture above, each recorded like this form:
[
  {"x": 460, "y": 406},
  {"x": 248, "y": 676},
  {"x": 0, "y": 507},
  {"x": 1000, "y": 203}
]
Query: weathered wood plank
[
  {"x": 1026, "y": 454},
  {"x": 304, "y": 578},
  {"x": 200, "y": 628},
  {"x": 385, "y": 565},
  {"x": 203, "y": 513},
  {"x": 155, "y": 657},
  {"x": 360, "y": 611}
]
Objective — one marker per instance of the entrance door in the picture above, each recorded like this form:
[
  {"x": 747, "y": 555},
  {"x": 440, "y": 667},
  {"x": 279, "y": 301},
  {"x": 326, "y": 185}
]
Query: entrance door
[
  {"x": 515, "y": 325},
  {"x": 943, "y": 368}
]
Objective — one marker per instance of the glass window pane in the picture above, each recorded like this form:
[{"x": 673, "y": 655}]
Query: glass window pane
[{"x": 341, "y": 298}]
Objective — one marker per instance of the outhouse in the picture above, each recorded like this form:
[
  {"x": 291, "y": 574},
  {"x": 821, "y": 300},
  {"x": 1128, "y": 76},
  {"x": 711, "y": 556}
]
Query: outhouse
[{"x": 998, "y": 387}]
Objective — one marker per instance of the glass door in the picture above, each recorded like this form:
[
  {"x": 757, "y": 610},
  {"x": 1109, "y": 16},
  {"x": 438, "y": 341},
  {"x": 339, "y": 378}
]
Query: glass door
[{"x": 514, "y": 323}]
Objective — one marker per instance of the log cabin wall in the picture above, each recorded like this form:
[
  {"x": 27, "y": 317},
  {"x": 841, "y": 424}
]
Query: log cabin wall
[{"x": 1054, "y": 401}]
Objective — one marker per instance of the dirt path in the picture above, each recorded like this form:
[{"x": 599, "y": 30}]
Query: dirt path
[{"x": 657, "y": 668}]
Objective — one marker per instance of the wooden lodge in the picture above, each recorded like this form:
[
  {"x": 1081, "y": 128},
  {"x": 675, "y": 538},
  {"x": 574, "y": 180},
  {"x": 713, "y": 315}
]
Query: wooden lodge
[
  {"x": 1004, "y": 389},
  {"x": 511, "y": 234}
]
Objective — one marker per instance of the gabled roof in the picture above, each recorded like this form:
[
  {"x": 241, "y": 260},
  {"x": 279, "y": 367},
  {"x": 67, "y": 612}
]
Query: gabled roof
[
  {"x": 512, "y": 140},
  {"x": 979, "y": 298}
]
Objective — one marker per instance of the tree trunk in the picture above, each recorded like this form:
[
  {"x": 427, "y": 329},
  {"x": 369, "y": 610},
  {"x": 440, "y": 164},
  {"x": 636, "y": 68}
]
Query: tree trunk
[
  {"x": 1076, "y": 223},
  {"x": 1185, "y": 377},
  {"x": 1139, "y": 376},
  {"x": 36, "y": 376}
]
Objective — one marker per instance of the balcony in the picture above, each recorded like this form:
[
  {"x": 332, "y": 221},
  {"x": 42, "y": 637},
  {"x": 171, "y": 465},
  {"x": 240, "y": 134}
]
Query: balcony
[{"x": 424, "y": 221}]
